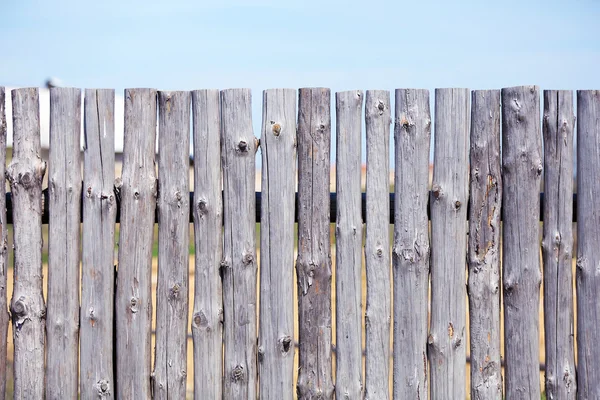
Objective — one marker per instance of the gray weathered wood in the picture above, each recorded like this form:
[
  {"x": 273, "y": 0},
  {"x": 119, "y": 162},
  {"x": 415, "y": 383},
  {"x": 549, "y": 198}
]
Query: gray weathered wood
[
  {"x": 207, "y": 319},
  {"x": 28, "y": 311},
  {"x": 133, "y": 300},
  {"x": 410, "y": 256},
  {"x": 313, "y": 265},
  {"x": 450, "y": 193},
  {"x": 239, "y": 259},
  {"x": 98, "y": 270},
  {"x": 170, "y": 366},
  {"x": 348, "y": 234},
  {"x": 4, "y": 316},
  {"x": 484, "y": 246},
  {"x": 276, "y": 328},
  {"x": 521, "y": 275},
  {"x": 64, "y": 183},
  {"x": 377, "y": 246},
  {"x": 588, "y": 237}
]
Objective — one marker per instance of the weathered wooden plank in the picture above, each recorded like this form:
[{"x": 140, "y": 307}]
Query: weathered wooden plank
[
  {"x": 450, "y": 192},
  {"x": 28, "y": 311},
  {"x": 377, "y": 246},
  {"x": 276, "y": 327},
  {"x": 484, "y": 246},
  {"x": 588, "y": 237},
  {"x": 133, "y": 300},
  {"x": 348, "y": 250},
  {"x": 98, "y": 269},
  {"x": 313, "y": 265},
  {"x": 521, "y": 271},
  {"x": 207, "y": 320},
  {"x": 170, "y": 366},
  {"x": 239, "y": 260},
  {"x": 4, "y": 316},
  {"x": 410, "y": 256}
]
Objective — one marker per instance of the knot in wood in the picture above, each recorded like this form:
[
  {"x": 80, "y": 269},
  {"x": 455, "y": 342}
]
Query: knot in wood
[
  {"x": 103, "y": 388},
  {"x": 248, "y": 257},
  {"x": 380, "y": 107},
  {"x": 88, "y": 192},
  {"x": 284, "y": 344},
  {"x": 19, "y": 307},
  {"x": 238, "y": 374},
  {"x": 136, "y": 195},
  {"x": 133, "y": 303},
  {"x": 261, "y": 354},
  {"x": 540, "y": 168},
  {"x": 26, "y": 178},
  {"x": 174, "y": 292},
  {"x": 202, "y": 207},
  {"x": 437, "y": 192},
  {"x": 200, "y": 320},
  {"x": 379, "y": 252},
  {"x": 243, "y": 146},
  {"x": 457, "y": 205},
  {"x": 276, "y": 128}
]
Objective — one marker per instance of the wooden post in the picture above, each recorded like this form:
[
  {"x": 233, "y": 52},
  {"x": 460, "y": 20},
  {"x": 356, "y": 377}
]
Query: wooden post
[
  {"x": 313, "y": 265},
  {"x": 348, "y": 252},
  {"x": 133, "y": 300},
  {"x": 484, "y": 245},
  {"x": 450, "y": 193},
  {"x": 521, "y": 275},
  {"x": 4, "y": 316},
  {"x": 207, "y": 319},
  {"x": 170, "y": 366},
  {"x": 410, "y": 256},
  {"x": 98, "y": 270},
  {"x": 239, "y": 260},
  {"x": 28, "y": 311},
  {"x": 276, "y": 337},
  {"x": 377, "y": 246},
  {"x": 588, "y": 251}
]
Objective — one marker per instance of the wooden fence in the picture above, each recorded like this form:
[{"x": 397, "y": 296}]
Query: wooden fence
[{"x": 476, "y": 226}]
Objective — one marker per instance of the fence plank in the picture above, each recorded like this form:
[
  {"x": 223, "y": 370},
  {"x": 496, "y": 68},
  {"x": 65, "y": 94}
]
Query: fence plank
[
  {"x": 133, "y": 302},
  {"x": 377, "y": 246},
  {"x": 278, "y": 145},
  {"x": 410, "y": 256},
  {"x": 173, "y": 204},
  {"x": 588, "y": 237},
  {"x": 521, "y": 275},
  {"x": 28, "y": 311},
  {"x": 348, "y": 251},
  {"x": 98, "y": 270},
  {"x": 207, "y": 319},
  {"x": 4, "y": 316},
  {"x": 313, "y": 265},
  {"x": 450, "y": 191},
  {"x": 239, "y": 261},
  {"x": 484, "y": 245}
]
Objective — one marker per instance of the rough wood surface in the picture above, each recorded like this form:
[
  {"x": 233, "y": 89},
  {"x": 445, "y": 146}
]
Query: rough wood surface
[
  {"x": 170, "y": 365},
  {"x": 4, "y": 316},
  {"x": 410, "y": 256},
  {"x": 588, "y": 237},
  {"x": 133, "y": 300},
  {"x": 484, "y": 246},
  {"x": 377, "y": 246},
  {"x": 207, "y": 319},
  {"x": 348, "y": 250},
  {"x": 447, "y": 338},
  {"x": 276, "y": 328},
  {"x": 28, "y": 311},
  {"x": 98, "y": 269},
  {"x": 313, "y": 265},
  {"x": 521, "y": 271},
  {"x": 239, "y": 250}
]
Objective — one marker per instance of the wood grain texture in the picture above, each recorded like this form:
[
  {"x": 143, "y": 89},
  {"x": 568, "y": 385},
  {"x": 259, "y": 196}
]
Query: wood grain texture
[
  {"x": 521, "y": 271},
  {"x": 313, "y": 265},
  {"x": 450, "y": 193},
  {"x": 207, "y": 319},
  {"x": 4, "y": 316},
  {"x": 276, "y": 328},
  {"x": 410, "y": 255},
  {"x": 133, "y": 300},
  {"x": 484, "y": 246}
]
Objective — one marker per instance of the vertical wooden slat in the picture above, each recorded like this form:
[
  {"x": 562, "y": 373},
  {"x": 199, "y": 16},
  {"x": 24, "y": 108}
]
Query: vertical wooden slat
[
  {"x": 377, "y": 246},
  {"x": 521, "y": 271},
  {"x": 239, "y": 260},
  {"x": 313, "y": 265},
  {"x": 133, "y": 301},
  {"x": 170, "y": 366},
  {"x": 207, "y": 319},
  {"x": 98, "y": 270},
  {"x": 28, "y": 311},
  {"x": 450, "y": 191},
  {"x": 4, "y": 316},
  {"x": 588, "y": 250},
  {"x": 410, "y": 256},
  {"x": 348, "y": 252},
  {"x": 484, "y": 245},
  {"x": 276, "y": 337}
]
